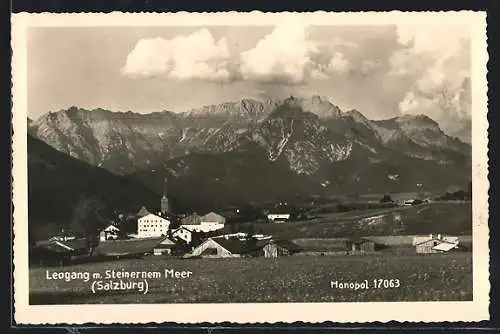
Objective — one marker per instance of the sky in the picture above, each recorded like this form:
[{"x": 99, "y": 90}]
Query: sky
[{"x": 383, "y": 71}]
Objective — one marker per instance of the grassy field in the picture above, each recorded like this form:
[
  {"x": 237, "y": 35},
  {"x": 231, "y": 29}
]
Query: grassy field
[
  {"x": 438, "y": 277},
  {"x": 444, "y": 218}
]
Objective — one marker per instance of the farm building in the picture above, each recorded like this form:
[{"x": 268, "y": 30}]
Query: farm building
[
  {"x": 110, "y": 232},
  {"x": 222, "y": 247},
  {"x": 275, "y": 248},
  {"x": 436, "y": 244},
  {"x": 151, "y": 226},
  {"x": 184, "y": 234},
  {"x": 360, "y": 245},
  {"x": 210, "y": 222},
  {"x": 420, "y": 239},
  {"x": 164, "y": 247},
  {"x": 61, "y": 250},
  {"x": 278, "y": 217}
]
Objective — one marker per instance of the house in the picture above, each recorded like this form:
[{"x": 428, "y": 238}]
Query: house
[
  {"x": 212, "y": 222},
  {"x": 436, "y": 244},
  {"x": 420, "y": 239},
  {"x": 222, "y": 248},
  {"x": 191, "y": 222},
  {"x": 183, "y": 233},
  {"x": 164, "y": 247},
  {"x": 275, "y": 248},
  {"x": 360, "y": 245},
  {"x": 278, "y": 217},
  {"x": 109, "y": 233},
  {"x": 152, "y": 226},
  {"x": 62, "y": 250}
]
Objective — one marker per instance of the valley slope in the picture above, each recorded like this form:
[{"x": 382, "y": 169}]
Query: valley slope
[{"x": 65, "y": 192}]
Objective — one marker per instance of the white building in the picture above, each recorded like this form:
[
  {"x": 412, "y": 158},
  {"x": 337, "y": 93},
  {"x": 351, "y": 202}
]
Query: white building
[
  {"x": 151, "y": 226},
  {"x": 184, "y": 234},
  {"x": 278, "y": 217},
  {"x": 109, "y": 233},
  {"x": 209, "y": 222}
]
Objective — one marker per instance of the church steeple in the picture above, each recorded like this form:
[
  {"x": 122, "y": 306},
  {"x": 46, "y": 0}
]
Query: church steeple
[{"x": 165, "y": 205}]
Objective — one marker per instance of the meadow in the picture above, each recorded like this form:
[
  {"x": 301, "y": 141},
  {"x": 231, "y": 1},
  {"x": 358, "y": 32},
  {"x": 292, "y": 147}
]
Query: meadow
[
  {"x": 441, "y": 217},
  {"x": 430, "y": 277}
]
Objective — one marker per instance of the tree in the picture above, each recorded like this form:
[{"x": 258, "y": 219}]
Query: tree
[{"x": 88, "y": 216}]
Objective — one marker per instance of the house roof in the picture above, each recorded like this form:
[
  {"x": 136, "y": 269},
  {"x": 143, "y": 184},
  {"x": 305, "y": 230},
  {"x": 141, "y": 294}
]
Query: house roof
[
  {"x": 287, "y": 244},
  {"x": 446, "y": 240},
  {"x": 357, "y": 240},
  {"x": 192, "y": 219},
  {"x": 111, "y": 228},
  {"x": 167, "y": 241},
  {"x": 143, "y": 212},
  {"x": 444, "y": 246},
  {"x": 63, "y": 246},
  {"x": 234, "y": 245},
  {"x": 155, "y": 216},
  {"x": 213, "y": 216},
  {"x": 182, "y": 228}
]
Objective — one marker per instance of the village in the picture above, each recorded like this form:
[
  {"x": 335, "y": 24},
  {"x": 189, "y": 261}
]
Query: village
[{"x": 161, "y": 232}]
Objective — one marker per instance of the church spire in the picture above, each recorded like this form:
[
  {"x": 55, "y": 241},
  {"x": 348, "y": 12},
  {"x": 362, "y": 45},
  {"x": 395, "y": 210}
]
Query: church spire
[{"x": 165, "y": 205}]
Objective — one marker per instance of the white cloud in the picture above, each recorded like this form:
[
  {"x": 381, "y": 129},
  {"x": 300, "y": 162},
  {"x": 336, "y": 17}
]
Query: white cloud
[
  {"x": 195, "y": 56},
  {"x": 283, "y": 55},
  {"x": 436, "y": 59},
  {"x": 287, "y": 55}
]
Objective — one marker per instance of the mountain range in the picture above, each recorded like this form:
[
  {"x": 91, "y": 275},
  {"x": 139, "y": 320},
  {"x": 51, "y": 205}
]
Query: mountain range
[{"x": 250, "y": 149}]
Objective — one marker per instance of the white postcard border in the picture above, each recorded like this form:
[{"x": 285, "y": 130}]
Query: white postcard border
[{"x": 476, "y": 310}]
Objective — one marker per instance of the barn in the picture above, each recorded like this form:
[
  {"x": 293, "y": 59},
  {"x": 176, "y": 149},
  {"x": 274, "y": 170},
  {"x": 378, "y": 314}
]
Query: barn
[
  {"x": 436, "y": 244},
  {"x": 360, "y": 245},
  {"x": 164, "y": 247},
  {"x": 275, "y": 248},
  {"x": 61, "y": 251},
  {"x": 222, "y": 247}
]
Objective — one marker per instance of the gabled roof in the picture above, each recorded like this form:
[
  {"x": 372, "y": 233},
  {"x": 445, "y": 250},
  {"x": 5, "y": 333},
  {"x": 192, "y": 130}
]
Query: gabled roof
[
  {"x": 167, "y": 241},
  {"x": 192, "y": 219},
  {"x": 444, "y": 246},
  {"x": 111, "y": 228},
  {"x": 213, "y": 216},
  {"x": 63, "y": 246},
  {"x": 181, "y": 228},
  {"x": 234, "y": 245},
  {"x": 152, "y": 215},
  {"x": 143, "y": 212},
  {"x": 357, "y": 240},
  {"x": 287, "y": 244},
  {"x": 446, "y": 240}
]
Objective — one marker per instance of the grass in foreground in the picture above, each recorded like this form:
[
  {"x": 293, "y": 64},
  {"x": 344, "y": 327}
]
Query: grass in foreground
[{"x": 433, "y": 277}]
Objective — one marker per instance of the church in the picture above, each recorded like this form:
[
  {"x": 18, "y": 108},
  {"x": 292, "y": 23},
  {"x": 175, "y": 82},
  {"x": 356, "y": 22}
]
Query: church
[{"x": 153, "y": 225}]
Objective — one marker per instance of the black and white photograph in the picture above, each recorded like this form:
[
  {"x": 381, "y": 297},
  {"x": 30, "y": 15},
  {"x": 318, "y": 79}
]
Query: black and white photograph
[{"x": 258, "y": 159}]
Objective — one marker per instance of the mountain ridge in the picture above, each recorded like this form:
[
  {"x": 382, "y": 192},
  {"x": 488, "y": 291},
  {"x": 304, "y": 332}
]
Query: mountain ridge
[{"x": 312, "y": 137}]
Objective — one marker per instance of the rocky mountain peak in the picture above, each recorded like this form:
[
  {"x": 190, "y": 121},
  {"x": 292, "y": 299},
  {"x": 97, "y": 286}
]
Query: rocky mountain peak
[{"x": 417, "y": 123}]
